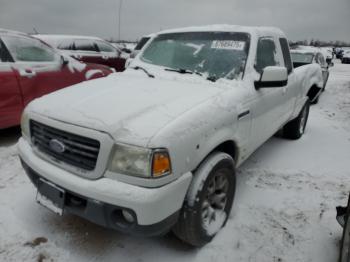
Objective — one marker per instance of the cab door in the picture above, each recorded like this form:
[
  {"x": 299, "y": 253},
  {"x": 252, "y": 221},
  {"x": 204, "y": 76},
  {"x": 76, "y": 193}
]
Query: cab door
[
  {"x": 39, "y": 68},
  {"x": 11, "y": 104},
  {"x": 268, "y": 107}
]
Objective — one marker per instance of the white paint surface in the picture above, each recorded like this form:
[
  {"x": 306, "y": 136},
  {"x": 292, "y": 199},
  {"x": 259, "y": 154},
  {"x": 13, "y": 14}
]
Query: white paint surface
[{"x": 284, "y": 207}]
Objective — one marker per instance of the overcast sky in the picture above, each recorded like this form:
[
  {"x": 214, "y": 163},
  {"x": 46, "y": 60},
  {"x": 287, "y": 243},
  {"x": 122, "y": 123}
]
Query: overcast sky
[{"x": 300, "y": 19}]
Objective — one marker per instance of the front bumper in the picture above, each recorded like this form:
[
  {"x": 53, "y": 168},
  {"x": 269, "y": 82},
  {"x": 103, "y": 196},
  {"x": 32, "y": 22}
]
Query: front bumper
[{"x": 155, "y": 209}]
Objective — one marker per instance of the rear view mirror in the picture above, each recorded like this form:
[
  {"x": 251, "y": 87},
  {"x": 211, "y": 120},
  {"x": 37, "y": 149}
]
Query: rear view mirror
[{"x": 272, "y": 76}]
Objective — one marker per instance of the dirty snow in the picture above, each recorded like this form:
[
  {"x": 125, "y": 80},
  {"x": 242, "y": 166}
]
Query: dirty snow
[{"x": 284, "y": 206}]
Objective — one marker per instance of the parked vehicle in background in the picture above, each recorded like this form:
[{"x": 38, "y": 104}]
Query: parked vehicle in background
[
  {"x": 346, "y": 57},
  {"x": 343, "y": 218},
  {"x": 302, "y": 57},
  {"x": 29, "y": 69},
  {"x": 143, "y": 41},
  {"x": 124, "y": 47},
  {"x": 157, "y": 146},
  {"x": 339, "y": 52},
  {"x": 87, "y": 49}
]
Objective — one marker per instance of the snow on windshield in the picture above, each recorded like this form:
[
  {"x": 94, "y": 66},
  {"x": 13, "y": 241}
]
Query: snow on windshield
[{"x": 214, "y": 54}]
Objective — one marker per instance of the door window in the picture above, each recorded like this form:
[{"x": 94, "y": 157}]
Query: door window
[
  {"x": 84, "y": 45},
  {"x": 266, "y": 54},
  {"x": 25, "y": 49},
  {"x": 66, "y": 45},
  {"x": 103, "y": 47}
]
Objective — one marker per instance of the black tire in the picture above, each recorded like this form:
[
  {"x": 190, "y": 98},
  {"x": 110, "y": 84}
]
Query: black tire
[
  {"x": 190, "y": 227},
  {"x": 315, "y": 101},
  {"x": 345, "y": 241},
  {"x": 325, "y": 84},
  {"x": 295, "y": 128}
]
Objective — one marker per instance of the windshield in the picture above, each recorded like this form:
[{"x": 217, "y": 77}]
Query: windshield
[
  {"x": 302, "y": 58},
  {"x": 213, "y": 54}
]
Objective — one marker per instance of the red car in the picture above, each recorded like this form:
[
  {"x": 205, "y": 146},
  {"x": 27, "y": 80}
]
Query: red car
[
  {"x": 87, "y": 49},
  {"x": 29, "y": 68}
]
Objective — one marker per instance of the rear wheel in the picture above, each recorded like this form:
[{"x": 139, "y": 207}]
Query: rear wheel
[
  {"x": 324, "y": 86},
  {"x": 296, "y": 127},
  {"x": 209, "y": 200},
  {"x": 345, "y": 242}
]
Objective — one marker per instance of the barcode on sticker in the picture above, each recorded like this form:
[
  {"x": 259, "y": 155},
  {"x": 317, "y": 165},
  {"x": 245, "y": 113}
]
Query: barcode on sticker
[{"x": 228, "y": 44}]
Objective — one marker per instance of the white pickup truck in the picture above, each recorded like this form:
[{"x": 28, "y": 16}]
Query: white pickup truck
[{"x": 156, "y": 147}]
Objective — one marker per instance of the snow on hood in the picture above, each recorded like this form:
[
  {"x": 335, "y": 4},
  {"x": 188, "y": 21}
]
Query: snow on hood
[{"x": 130, "y": 106}]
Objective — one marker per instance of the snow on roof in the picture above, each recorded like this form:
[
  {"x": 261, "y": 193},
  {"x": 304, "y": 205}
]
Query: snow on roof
[
  {"x": 253, "y": 30},
  {"x": 55, "y": 40},
  {"x": 47, "y": 36},
  {"x": 12, "y": 32}
]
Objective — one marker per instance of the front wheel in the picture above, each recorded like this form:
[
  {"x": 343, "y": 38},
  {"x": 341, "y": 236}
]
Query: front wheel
[
  {"x": 296, "y": 127},
  {"x": 209, "y": 200}
]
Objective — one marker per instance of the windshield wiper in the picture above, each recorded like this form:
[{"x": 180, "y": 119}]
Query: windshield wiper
[
  {"x": 185, "y": 71},
  {"x": 182, "y": 71},
  {"x": 212, "y": 78},
  {"x": 144, "y": 70}
]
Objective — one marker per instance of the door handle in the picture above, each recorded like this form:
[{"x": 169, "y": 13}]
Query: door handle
[{"x": 27, "y": 73}]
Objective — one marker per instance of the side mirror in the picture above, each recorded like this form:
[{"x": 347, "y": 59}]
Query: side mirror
[
  {"x": 272, "y": 76},
  {"x": 64, "y": 61},
  {"x": 329, "y": 62}
]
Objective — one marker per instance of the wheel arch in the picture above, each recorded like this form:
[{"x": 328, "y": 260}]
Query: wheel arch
[
  {"x": 229, "y": 147},
  {"x": 313, "y": 92}
]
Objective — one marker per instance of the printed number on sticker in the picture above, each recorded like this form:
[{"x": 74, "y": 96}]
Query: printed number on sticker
[{"x": 228, "y": 44}]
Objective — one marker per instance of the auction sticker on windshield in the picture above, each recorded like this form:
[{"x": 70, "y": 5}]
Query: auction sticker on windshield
[{"x": 228, "y": 44}]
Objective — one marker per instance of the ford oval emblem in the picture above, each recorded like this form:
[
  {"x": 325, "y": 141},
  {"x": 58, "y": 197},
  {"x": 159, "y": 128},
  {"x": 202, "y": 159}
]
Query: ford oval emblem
[{"x": 57, "y": 146}]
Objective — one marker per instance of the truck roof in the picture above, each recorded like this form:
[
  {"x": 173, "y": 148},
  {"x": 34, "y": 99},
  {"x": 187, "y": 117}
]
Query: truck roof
[
  {"x": 253, "y": 30},
  {"x": 59, "y": 37},
  {"x": 12, "y": 32},
  {"x": 55, "y": 40}
]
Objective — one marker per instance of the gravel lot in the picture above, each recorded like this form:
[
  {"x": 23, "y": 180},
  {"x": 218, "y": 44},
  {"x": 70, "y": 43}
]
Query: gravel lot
[{"x": 284, "y": 208}]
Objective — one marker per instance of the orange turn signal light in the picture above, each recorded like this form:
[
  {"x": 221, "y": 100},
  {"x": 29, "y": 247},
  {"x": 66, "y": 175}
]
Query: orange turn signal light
[{"x": 160, "y": 164}]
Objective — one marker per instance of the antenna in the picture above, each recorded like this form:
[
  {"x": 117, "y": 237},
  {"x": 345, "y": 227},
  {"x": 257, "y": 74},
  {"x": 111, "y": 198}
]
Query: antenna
[{"x": 119, "y": 17}]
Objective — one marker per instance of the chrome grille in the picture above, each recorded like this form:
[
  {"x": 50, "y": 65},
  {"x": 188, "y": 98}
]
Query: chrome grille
[{"x": 78, "y": 151}]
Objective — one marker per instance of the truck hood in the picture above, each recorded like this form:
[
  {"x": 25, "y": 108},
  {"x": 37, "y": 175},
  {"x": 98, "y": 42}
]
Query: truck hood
[{"x": 129, "y": 106}]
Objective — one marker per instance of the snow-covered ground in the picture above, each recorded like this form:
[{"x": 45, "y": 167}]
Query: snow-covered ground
[{"x": 284, "y": 208}]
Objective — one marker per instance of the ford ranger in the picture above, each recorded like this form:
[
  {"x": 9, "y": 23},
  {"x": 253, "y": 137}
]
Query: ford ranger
[{"x": 157, "y": 147}]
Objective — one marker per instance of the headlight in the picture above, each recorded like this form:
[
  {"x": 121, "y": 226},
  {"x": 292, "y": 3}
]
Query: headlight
[
  {"x": 139, "y": 161},
  {"x": 25, "y": 124}
]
